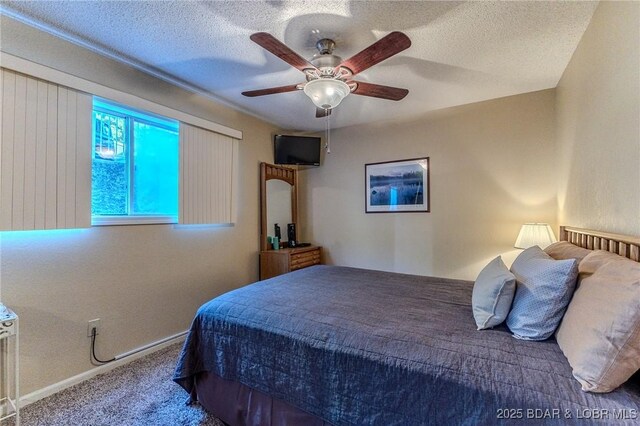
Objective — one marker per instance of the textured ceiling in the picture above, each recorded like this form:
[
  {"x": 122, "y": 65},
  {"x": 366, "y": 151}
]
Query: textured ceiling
[{"x": 461, "y": 52}]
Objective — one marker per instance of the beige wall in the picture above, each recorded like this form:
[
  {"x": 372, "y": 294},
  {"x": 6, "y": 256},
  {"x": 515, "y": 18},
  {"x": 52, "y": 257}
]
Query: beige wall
[
  {"x": 144, "y": 282},
  {"x": 494, "y": 166},
  {"x": 492, "y": 169},
  {"x": 571, "y": 160},
  {"x": 598, "y": 104}
]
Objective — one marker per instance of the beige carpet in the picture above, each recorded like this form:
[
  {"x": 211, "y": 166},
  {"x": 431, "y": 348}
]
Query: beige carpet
[{"x": 138, "y": 393}]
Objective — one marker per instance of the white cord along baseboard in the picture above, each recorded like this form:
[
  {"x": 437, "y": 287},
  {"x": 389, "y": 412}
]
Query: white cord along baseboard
[
  {"x": 151, "y": 345},
  {"x": 121, "y": 359}
]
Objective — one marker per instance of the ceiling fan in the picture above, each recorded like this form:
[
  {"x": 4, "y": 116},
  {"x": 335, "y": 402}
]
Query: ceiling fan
[{"x": 329, "y": 78}]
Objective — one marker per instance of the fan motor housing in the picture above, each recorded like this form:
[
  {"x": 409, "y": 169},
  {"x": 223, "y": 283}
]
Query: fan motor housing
[{"x": 325, "y": 60}]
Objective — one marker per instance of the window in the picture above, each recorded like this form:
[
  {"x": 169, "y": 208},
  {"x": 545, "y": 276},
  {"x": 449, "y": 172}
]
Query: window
[{"x": 135, "y": 166}]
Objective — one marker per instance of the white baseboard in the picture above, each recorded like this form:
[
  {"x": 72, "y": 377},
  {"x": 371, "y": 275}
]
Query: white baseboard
[{"x": 133, "y": 355}]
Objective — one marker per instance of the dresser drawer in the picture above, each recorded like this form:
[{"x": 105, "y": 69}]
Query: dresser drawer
[
  {"x": 277, "y": 262},
  {"x": 306, "y": 263},
  {"x": 305, "y": 259}
]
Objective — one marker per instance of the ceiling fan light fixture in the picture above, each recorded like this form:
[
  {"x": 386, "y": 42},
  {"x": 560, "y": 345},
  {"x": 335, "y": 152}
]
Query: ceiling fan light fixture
[{"x": 326, "y": 93}]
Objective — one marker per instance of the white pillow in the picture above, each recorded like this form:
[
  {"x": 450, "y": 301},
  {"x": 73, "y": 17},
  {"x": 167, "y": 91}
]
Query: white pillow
[
  {"x": 492, "y": 294},
  {"x": 544, "y": 287}
]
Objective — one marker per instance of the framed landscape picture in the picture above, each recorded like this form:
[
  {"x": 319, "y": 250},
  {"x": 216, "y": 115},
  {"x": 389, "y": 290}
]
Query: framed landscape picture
[{"x": 397, "y": 186}]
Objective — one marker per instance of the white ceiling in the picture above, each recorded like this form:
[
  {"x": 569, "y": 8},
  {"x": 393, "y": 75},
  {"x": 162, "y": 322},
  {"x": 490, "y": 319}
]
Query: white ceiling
[{"x": 461, "y": 52}]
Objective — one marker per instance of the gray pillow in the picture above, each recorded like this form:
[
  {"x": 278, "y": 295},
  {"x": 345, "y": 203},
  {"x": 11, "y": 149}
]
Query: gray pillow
[
  {"x": 543, "y": 290},
  {"x": 600, "y": 333},
  {"x": 492, "y": 294},
  {"x": 565, "y": 250}
]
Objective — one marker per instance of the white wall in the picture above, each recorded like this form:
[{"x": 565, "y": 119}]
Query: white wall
[
  {"x": 598, "y": 104},
  {"x": 492, "y": 169},
  {"x": 144, "y": 282}
]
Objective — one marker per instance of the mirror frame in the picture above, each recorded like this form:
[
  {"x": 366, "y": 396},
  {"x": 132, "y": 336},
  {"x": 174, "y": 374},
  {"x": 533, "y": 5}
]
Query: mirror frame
[{"x": 268, "y": 172}]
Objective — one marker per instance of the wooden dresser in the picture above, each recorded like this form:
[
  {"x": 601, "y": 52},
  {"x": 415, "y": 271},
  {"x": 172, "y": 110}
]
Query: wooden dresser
[{"x": 278, "y": 262}]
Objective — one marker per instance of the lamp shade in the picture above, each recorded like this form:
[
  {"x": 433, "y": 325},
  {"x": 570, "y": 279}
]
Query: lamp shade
[
  {"x": 326, "y": 93},
  {"x": 535, "y": 234}
]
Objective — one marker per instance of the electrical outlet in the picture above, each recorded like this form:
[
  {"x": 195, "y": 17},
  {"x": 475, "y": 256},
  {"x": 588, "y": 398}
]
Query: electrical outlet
[{"x": 95, "y": 323}]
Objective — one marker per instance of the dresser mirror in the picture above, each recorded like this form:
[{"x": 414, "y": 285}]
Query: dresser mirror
[
  {"x": 278, "y": 202},
  {"x": 278, "y": 207}
]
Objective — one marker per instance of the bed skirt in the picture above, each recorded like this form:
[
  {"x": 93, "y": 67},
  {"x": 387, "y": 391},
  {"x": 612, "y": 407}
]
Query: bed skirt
[{"x": 239, "y": 405}]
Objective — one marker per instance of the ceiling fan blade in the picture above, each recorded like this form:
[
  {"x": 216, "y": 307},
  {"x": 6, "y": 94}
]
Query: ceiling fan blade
[
  {"x": 271, "y": 90},
  {"x": 321, "y": 112},
  {"x": 379, "y": 91},
  {"x": 275, "y": 46},
  {"x": 382, "y": 49}
]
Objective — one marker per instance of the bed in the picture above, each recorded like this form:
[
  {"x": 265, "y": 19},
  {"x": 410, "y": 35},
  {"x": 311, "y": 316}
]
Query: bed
[{"x": 346, "y": 346}]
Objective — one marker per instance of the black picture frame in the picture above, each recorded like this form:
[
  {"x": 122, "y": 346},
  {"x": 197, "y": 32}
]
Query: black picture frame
[{"x": 399, "y": 186}]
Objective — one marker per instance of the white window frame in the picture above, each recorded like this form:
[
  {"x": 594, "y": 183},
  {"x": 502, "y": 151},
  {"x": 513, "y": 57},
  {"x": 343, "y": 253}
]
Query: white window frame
[
  {"x": 130, "y": 114},
  {"x": 104, "y": 220}
]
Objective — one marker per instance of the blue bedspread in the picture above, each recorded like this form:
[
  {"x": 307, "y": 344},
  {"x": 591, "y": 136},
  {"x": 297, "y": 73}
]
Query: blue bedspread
[{"x": 361, "y": 347}]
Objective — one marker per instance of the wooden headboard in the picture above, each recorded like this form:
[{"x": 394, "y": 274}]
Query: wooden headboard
[{"x": 624, "y": 245}]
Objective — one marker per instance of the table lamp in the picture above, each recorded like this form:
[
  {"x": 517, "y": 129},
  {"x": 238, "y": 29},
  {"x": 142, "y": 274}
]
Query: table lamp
[{"x": 535, "y": 234}]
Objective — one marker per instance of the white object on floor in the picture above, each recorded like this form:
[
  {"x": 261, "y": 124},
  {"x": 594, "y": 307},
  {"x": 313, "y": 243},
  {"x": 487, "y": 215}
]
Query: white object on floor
[{"x": 9, "y": 352}]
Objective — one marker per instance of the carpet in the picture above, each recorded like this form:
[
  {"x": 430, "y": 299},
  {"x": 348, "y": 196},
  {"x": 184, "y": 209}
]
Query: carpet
[{"x": 138, "y": 393}]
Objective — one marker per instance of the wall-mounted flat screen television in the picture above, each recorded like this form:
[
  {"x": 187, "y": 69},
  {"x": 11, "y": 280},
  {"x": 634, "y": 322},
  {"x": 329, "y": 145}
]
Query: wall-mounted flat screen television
[{"x": 300, "y": 150}]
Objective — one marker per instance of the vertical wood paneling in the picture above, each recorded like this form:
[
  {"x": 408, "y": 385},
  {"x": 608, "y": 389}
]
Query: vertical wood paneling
[
  {"x": 45, "y": 155},
  {"x": 214, "y": 195},
  {"x": 231, "y": 183},
  {"x": 83, "y": 160},
  {"x": 182, "y": 188},
  {"x": 195, "y": 161},
  {"x": 211, "y": 140},
  {"x": 227, "y": 181},
  {"x": 184, "y": 173},
  {"x": 31, "y": 115},
  {"x": 180, "y": 169},
  {"x": 191, "y": 169},
  {"x": 61, "y": 167},
  {"x": 70, "y": 159},
  {"x": 41, "y": 156},
  {"x": 6, "y": 179},
  {"x": 220, "y": 152},
  {"x": 20, "y": 103},
  {"x": 188, "y": 208},
  {"x": 186, "y": 178},
  {"x": 1, "y": 135},
  {"x": 200, "y": 166},
  {"x": 206, "y": 167},
  {"x": 235, "y": 175},
  {"x": 225, "y": 177},
  {"x": 206, "y": 176},
  {"x": 51, "y": 173}
]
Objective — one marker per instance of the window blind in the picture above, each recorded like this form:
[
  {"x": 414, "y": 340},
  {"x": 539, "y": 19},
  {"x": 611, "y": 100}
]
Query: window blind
[
  {"x": 45, "y": 155},
  {"x": 207, "y": 174}
]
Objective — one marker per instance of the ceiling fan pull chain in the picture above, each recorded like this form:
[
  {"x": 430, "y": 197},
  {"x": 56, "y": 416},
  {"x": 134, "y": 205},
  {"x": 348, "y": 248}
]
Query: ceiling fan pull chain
[{"x": 327, "y": 144}]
